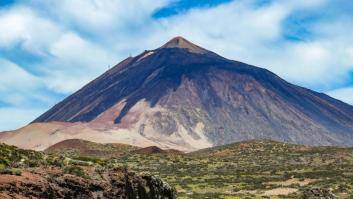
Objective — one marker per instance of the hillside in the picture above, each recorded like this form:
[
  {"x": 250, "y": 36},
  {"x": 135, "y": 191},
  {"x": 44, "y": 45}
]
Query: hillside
[
  {"x": 254, "y": 169},
  {"x": 92, "y": 149},
  {"x": 250, "y": 169}
]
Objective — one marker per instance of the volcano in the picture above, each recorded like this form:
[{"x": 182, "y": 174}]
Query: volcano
[{"x": 185, "y": 97}]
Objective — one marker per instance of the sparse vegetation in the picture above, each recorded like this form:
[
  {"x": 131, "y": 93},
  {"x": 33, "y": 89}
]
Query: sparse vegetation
[
  {"x": 75, "y": 170},
  {"x": 31, "y": 174},
  {"x": 253, "y": 169},
  {"x": 11, "y": 171}
]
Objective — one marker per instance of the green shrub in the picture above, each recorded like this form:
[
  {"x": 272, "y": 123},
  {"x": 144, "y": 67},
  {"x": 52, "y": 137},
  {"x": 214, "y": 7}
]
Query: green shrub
[
  {"x": 89, "y": 159},
  {"x": 75, "y": 170},
  {"x": 2, "y": 166},
  {"x": 80, "y": 163},
  {"x": 11, "y": 171}
]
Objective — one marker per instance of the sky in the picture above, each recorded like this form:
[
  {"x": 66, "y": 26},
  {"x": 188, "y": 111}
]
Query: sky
[{"x": 51, "y": 48}]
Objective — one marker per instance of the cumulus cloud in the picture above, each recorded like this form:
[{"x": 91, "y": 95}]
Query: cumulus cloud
[
  {"x": 21, "y": 26},
  {"x": 100, "y": 15},
  {"x": 244, "y": 31},
  {"x": 117, "y": 25},
  {"x": 75, "y": 42},
  {"x": 64, "y": 63}
]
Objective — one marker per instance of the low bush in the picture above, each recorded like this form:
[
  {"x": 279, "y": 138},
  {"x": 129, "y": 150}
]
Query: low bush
[
  {"x": 11, "y": 171},
  {"x": 75, "y": 170}
]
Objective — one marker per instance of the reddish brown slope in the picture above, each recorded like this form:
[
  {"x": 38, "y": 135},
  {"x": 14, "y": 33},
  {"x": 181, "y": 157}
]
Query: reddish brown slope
[{"x": 87, "y": 148}]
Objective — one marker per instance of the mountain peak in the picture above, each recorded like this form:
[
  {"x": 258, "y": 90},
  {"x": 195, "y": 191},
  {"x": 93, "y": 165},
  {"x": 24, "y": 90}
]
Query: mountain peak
[
  {"x": 184, "y": 97},
  {"x": 180, "y": 42}
]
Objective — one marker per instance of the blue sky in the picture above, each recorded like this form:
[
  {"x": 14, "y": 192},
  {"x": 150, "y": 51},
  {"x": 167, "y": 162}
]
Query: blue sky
[{"x": 51, "y": 48}]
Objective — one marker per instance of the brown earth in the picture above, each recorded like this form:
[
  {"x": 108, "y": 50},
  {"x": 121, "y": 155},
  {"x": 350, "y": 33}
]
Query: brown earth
[{"x": 156, "y": 150}]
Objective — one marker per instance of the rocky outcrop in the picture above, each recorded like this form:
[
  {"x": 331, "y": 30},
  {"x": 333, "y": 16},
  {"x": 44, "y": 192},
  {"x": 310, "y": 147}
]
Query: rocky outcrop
[
  {"x": 318, "y": 193},
  {"x": 52, "y": 183}
]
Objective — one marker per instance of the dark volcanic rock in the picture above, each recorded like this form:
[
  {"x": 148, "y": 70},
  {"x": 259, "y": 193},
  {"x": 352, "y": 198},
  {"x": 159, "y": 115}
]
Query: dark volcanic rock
[
  {"x": 210, "y": 98},
  {"x": 112, "y": 184},
  {"x": 318, "y": 193}
]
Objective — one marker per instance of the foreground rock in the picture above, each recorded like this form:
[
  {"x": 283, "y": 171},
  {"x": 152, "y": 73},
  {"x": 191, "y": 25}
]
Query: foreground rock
[
  {"x": 51, "y": 182},
  {"x": 31, "y": 174}
]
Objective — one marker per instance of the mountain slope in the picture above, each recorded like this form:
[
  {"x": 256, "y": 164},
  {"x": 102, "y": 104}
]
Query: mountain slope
[{"x": 183, "y": 95}]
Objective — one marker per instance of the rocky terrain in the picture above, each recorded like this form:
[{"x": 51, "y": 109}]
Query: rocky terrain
[
  {"x": 253, "y": 169},
  {"x": 181, "y": 96},
  {"x": 250, "y": 169},
  {"x": 29, "y": 174},
  {"x": 47, "y": 182}
]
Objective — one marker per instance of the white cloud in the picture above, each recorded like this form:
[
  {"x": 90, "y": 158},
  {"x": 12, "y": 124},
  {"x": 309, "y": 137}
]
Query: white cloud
[
  {"x": 69, "y": 60},
  {"x": 242, "y": 31},
  {"x": 21, "y": 25},
  {"x": 17, "y": 85},
  {"x": 12, "y": 29},
  {"x": 343, "y": 94},
  {"x": 313, "y": 64},
  {"x": 74, "y": 62},
  {"x": 15, "y": 78},
  {"x": 101, "y": 15},
  {"x": 54, "y": 30},
  {"x": 18, "y": 89},
  {"x": 118, "y": 25},
  {"x": 228, "y": 26},
  {"x": 246, "y": 33}
]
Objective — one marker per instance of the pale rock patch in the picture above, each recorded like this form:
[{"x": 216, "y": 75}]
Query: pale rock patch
[
  {"x": 279, "y": 191},
  {"x": 39, "y": 136},
  {"x": 145, "y": 55}
]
